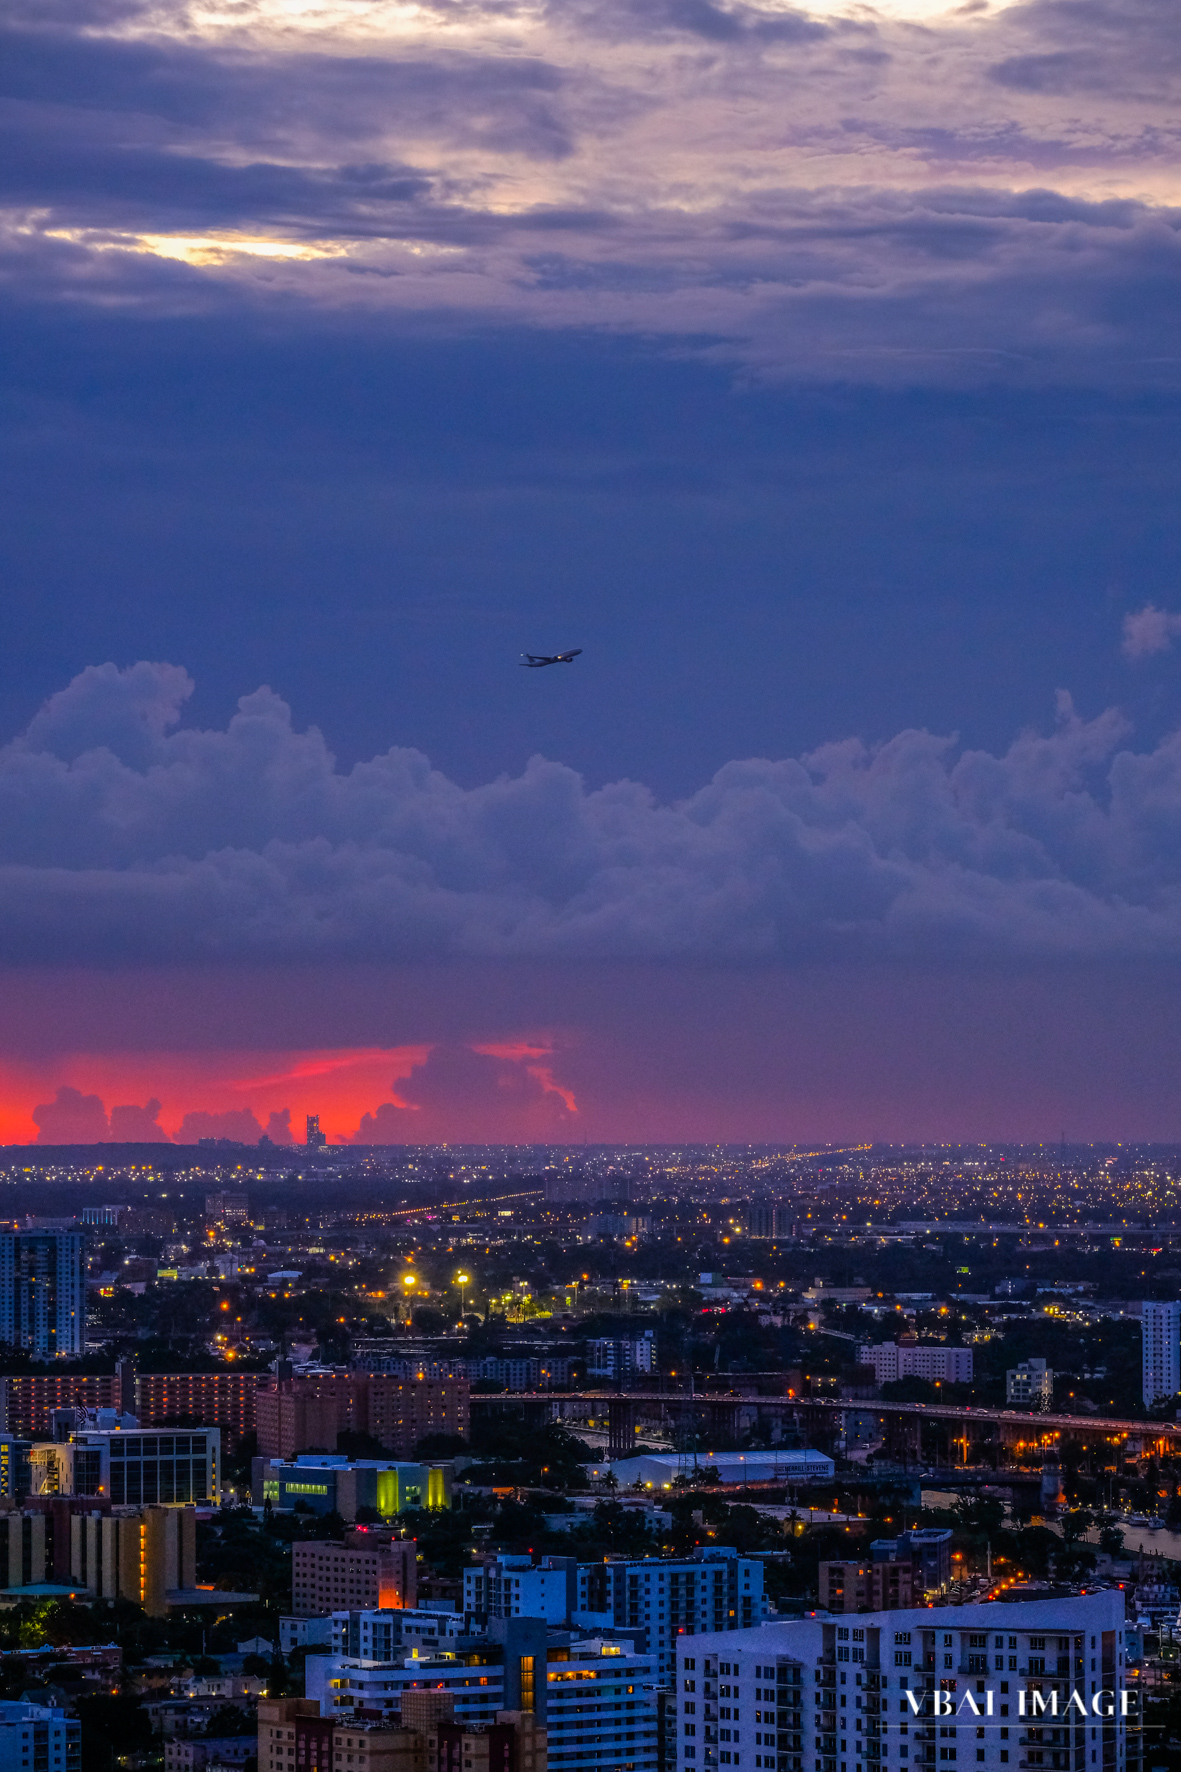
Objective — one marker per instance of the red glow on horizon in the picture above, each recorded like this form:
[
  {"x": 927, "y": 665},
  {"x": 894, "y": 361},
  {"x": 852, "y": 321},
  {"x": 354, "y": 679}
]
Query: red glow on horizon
[{"x": 342, "y": 1086}]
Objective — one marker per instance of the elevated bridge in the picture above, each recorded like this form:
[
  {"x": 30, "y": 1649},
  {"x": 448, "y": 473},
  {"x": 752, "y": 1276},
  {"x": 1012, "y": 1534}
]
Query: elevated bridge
[{"x": 913, "y": 1433}]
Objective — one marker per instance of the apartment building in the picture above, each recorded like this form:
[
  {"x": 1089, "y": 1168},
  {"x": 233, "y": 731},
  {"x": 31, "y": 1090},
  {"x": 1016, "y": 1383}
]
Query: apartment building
[
  {"x": 43, "y": 1292},
  {"x": 653, "y": 1599},
  {"x": 385, "y": 1634},
  {"x": 621, "y": 1356},
  {"x": 902, "y": 1571},
  {"x": 1030, "y": 1385},
  {"x": 307, "y": 1412},
  {"x": 913, "y": 1359},
  {"x": 595, "y": 1699},
  {"x": 866, "y": 1587},
  {"x": 713, "y": 1590},
  {"x": 993, "y": 1687},
  {"x": 508, "y": 1586},
  {"x": 1160, "y": 1335},
  {"x": 358, "y": 1574},
  {"x": 38, "y": 1736},
  {"x": 223, "y": 1399},
  {"x": 514, "y": 1742},
  {"x": 403, "y": 1411}
]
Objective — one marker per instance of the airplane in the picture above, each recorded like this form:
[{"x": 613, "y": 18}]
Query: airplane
[{"x": 533, "y": 661}]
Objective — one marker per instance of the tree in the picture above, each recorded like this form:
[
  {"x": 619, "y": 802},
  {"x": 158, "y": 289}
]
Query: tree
[
  {"x": 1111, "y": 1539},
  {"x": 979, "y": 1513},
  {"x": 112, "y": 1727},
  {"x": 1076, "y": 1524},
  {"x": 227, "y": 1719}
]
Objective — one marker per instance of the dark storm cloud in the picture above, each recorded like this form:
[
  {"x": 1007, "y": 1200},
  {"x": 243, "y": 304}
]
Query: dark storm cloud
[
  {"x": 1126, "y": 48},
  {"x": 125, "y": 835}
]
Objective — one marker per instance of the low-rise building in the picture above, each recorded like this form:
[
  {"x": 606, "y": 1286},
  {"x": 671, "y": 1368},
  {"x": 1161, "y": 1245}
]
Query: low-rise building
[
  {"x": 185, "y": 1755},
  {"x": 660, "y": 1470},
  {"x": 934, "y": 1361},
  {"x": 359, "y": 1573},
  {"x": 326, "y": 1483},
  {"x": 39, "y": 1738},
  {"x": 1030, "y": 1385},
  {"x": 293, "y": 1736},
  {"x": 131, "y": 1466}
]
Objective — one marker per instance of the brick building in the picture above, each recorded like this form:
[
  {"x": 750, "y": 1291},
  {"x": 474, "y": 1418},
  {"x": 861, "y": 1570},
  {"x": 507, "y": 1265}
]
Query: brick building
[
  {"x": 360, "y": 1573},
  {"x": 217, "y": 1399},
  {"x": 403, "y": 1411},
  {"x": 306, "y": 1413},
  {"x": 224, "y": 1399}
]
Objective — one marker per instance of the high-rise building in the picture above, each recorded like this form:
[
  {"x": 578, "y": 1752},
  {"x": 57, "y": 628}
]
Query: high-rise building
[
  {"x": 1030, "y": 1385},
  {"x": 224, "y": 1399},
  {"x": 513, "y": 1586},
  {"x": 997, "y": 1687},
  {"x": 316, "y": 1140},
  {"x": 653, "y": 1599},
  {"x": 713, "y": 1590},
  {"x": 227, "y": 1211},
  {"x": 43, "y": 1293},
  {"x": 37, "y": 1735},
  {"x": 621, "y": 1356},
  {"x": 1160, "y": 1330}
]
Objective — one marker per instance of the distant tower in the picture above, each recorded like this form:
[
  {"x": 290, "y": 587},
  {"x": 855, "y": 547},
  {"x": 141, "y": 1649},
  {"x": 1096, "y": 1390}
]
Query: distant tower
[{"x": 316, "y": 1139}]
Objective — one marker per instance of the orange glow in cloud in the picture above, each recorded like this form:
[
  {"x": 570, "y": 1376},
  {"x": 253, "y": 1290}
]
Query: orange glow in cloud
[{"x": 517, "y": 1051}]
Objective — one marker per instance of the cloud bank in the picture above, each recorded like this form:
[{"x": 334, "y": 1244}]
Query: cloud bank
[
  {"x": 126, "y": 836},
  {"x": 839, "y": 192}
]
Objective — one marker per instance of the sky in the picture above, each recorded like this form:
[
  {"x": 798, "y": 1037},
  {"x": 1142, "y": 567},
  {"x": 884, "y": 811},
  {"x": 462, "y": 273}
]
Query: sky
[{"x": 815, "y": 369}]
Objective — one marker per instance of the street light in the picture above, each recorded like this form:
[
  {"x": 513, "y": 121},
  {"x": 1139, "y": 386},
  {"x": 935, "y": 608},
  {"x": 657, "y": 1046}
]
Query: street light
[{"x": 462, "y": 1282}]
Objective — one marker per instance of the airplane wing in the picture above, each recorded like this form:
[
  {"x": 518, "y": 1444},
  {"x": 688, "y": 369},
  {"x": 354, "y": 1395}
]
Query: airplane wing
[{"x": 565, "y": 657}]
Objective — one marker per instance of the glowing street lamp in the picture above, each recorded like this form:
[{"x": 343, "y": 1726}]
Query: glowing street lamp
[{"x": 462, "y": 1281}]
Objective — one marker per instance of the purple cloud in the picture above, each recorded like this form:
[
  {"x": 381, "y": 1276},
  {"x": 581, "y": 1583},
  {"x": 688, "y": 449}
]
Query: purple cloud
[
  {"x": 236, "y": 1123},
  {"x": 71, "y": 1118},
  {"x": 828, "y": 197},
  {"x": 138, "y": 1125},
  {"x": 1149, "y": 630},
  {"x": 251, "y": 843}
]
